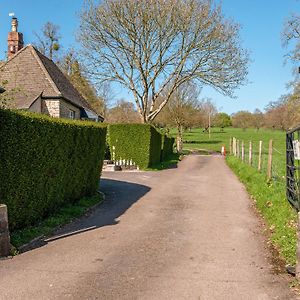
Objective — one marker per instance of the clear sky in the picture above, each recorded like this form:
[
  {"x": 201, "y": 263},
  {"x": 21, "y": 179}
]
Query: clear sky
[{"x": 261, "y": 21}]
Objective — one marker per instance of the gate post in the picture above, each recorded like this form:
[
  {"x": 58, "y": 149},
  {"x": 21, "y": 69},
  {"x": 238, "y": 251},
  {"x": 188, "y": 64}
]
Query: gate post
[
  {"x": 298, "y": 249},
  {"x": 4, "y": 232}
]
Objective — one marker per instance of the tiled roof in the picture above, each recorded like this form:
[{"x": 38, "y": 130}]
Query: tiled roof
[
  {"x": 23, "y": 100},
  {"x": 31, "y": 73}
]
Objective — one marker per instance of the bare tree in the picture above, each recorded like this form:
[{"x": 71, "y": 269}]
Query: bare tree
[
  {"x": 258, "y": 119},
  {"x": 291, "y": 34},
  {"x": 48, "y": 40},
  {"x": 242, "y": 119},
  {"x": 73, "y": 69},
  {"x": 145, "y": 45},
  {"x": 105, "y": 92},
  {"x": 123, "y": 112},
  {"x": 208, "y": 111},
  {"x": 294, "y": 106},
  {"x": 182, "y": 109},
  {"x": 284, "y": 113}
]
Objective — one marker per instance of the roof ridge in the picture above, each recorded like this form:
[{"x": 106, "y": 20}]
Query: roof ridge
[
  {"x": 15, "y": 55},
  {"x": 51, "y": 79},
  {"x": 44, "y": 68},
  {"x": 84, "y": 103}
]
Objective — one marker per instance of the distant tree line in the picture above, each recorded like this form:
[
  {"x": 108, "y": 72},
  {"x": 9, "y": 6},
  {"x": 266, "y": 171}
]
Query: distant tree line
[{"x": 281, "y": 114}]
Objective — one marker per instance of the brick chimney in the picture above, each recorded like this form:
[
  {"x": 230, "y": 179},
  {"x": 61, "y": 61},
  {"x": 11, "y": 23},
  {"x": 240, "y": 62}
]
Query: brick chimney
[{"x": 15, "y": 39}]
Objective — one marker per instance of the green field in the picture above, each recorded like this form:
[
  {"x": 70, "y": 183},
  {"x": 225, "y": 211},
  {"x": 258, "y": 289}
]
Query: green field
[
  {"x": 270, "y": 199},
  {"x": 196, "y": 139}
]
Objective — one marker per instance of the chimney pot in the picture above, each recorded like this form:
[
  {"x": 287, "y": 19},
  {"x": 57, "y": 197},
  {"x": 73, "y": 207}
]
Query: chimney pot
[
  {"x": 15, "y": 39},
  {"x": 14, "y": 24}
]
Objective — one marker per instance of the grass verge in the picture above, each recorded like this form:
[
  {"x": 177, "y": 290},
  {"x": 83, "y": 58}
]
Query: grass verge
[
  {"x": 271, "y": 202},
  {"x": 64, "y": 216},
  {"x": 171, "y": 162}
]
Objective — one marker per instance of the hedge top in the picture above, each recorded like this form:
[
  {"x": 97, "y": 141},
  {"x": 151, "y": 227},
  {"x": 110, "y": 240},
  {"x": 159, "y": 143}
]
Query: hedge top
[{"x": 45, "y": 118}]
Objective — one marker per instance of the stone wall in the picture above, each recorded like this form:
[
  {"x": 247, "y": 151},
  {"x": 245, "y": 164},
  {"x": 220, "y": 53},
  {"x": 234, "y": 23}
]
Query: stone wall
[
  {"x": 59, "y": 109},
  {"x": 65, "y": 109},
  {"x": 51, "y": 108}
]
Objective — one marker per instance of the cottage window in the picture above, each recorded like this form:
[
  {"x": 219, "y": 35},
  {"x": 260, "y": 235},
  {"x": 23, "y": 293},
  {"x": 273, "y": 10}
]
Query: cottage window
[{"x": 71, "y": 114}]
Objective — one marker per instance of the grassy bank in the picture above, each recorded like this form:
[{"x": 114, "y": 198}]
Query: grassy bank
[
  {"x": 271, "y": 202},
  {"x": 64, "y": 216}
]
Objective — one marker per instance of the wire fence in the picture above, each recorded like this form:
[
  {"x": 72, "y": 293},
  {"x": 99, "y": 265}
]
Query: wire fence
[{"x": 262, "y": 156}]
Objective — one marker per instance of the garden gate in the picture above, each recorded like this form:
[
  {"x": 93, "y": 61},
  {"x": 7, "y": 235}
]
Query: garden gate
[{"x": 293, "y": 167}]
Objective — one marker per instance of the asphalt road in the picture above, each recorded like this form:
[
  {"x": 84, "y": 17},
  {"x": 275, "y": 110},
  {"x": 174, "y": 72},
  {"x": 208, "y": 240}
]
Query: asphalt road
[{"x": 184, "y": 233}]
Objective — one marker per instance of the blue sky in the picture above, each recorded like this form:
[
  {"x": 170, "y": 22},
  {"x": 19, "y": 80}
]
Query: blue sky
[{"x": 261, "y": 21}]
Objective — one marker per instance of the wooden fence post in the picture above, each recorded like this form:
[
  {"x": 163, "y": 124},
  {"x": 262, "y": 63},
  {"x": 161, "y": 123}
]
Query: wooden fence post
[
  {"x": 243, "y": 151},
  {"x": 250, "y": 153},
  {"x": 270, "y": 159},
  {"x": 238, "y": 148},
  {"x": 4, "y": 233},
  {"x": 234, "y": 146},
  {"x": 259, "y": 156},
  {"x": 230, "y": 145}
]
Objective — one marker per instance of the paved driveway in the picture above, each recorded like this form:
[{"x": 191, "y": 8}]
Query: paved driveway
[{"x": 185, "y": 233}]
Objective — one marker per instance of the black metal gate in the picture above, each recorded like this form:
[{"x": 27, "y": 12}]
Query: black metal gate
[{"x": 293, "y": 167}]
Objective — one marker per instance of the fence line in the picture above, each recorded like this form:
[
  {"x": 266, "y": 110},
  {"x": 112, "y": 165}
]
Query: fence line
[
  {"x": 250, "y": 153},
  {"x": 277, "y": 151},
  {"x": 259, "y": 156}
]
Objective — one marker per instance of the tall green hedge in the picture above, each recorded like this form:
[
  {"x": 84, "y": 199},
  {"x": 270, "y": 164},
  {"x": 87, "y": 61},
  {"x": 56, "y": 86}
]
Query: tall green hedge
[
  {"x": 140, "y": 143},
  {"x": 167, "y": 147},
  {"x": 45, "y": 163}
]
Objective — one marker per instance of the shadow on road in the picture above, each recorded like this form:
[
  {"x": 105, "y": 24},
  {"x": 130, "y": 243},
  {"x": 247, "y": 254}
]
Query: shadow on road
[{"x": 119, "y": 196}]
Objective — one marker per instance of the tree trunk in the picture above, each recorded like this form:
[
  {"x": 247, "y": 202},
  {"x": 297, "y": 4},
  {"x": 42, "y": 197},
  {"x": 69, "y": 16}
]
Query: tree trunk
[
  {"x": 143, "y": 119},
  {"x": 179, "y": 142}
]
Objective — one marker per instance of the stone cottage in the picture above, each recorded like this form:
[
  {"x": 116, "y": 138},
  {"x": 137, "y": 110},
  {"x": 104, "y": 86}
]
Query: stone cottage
[{"x": 33, "y": 82}]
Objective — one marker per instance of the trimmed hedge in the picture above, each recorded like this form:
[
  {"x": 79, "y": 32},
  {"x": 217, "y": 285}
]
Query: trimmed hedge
[
  {"x": 140, "y": 143},
  {"x": 167, "y": 147},
  {"x": 46, "y": 163}
]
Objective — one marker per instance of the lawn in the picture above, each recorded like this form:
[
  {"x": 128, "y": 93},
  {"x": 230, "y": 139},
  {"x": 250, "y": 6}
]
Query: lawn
[{"x": 196, "y": 139}]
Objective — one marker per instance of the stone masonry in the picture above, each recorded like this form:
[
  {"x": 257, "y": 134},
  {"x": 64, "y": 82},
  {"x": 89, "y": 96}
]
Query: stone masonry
[
  {"x": 4, "y": 233},
  {"x": 51, "y": 108},
  {"x": 65, "y": 109}
]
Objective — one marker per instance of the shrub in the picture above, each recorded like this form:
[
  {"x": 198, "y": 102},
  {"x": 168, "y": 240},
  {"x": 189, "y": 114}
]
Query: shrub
[
  {"x": 140, "y": 143},
  {"x": 167, "y": 147},
  {"x": 46, "y": 163}
]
